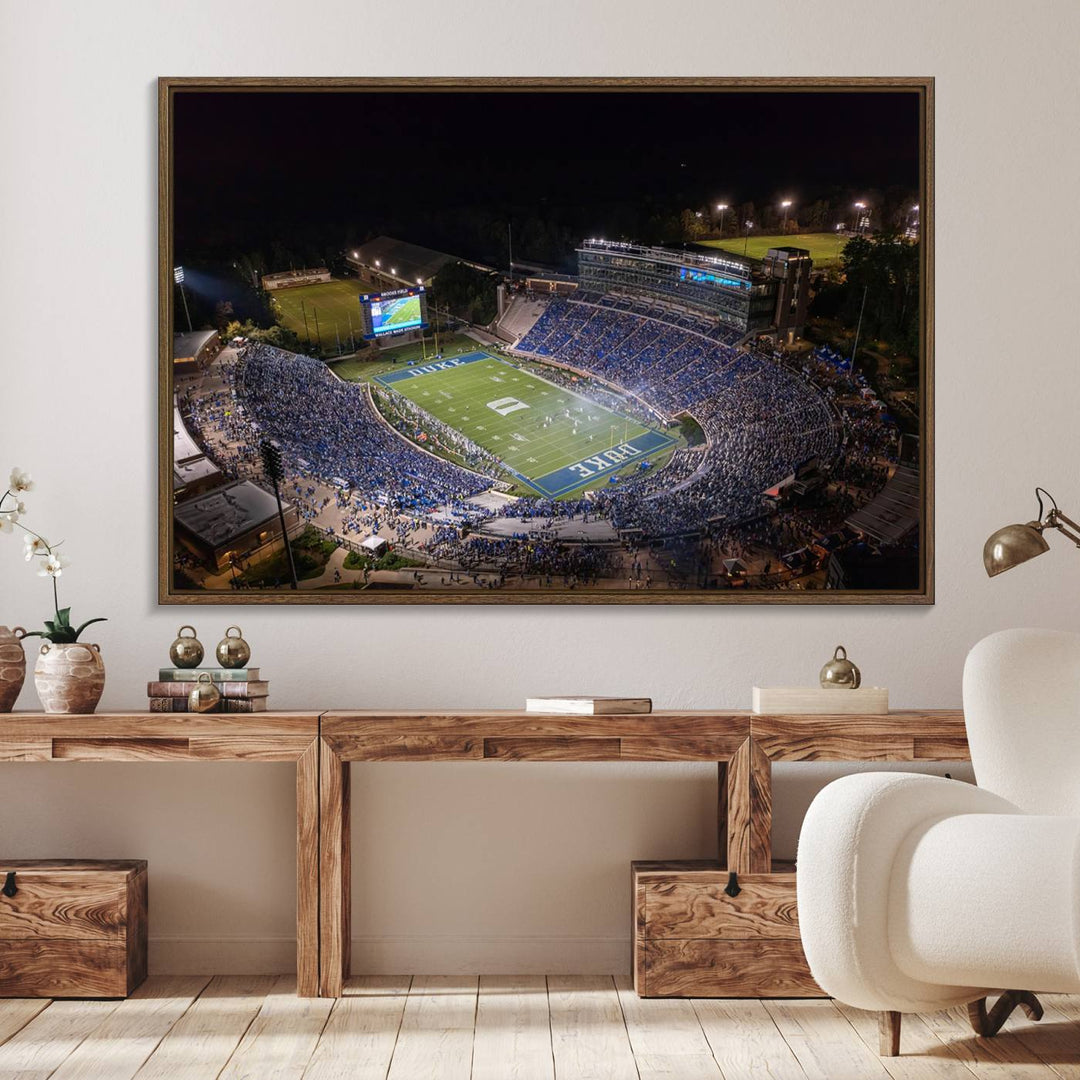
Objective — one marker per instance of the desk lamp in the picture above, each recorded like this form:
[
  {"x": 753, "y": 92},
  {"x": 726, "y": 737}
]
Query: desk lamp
[{"x": 1014, "y": 544}]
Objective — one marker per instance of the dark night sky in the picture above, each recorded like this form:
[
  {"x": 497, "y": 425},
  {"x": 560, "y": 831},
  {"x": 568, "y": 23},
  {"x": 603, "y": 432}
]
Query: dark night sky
[{"x": 252, "y": 167}]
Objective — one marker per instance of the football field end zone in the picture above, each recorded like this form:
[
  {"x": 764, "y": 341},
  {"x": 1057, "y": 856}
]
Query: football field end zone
[
  {"x": 388, "y": 378},
  {"x": 579, "y": 473}
]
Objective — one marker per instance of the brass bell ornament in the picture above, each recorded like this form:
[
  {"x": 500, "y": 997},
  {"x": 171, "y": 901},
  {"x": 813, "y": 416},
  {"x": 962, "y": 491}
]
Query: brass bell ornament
[
  {"x": 186, "y": 652},
  {"x": 204, "y": 695},
  {"x": 233, "y": 652},
  {"x": 840, "y": 673}
]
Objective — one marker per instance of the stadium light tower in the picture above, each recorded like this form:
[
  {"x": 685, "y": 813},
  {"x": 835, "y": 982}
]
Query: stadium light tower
[
  {"x": 746, "y": 235},
  {"x": 859, "y": 208},
  {"x": 786, "y": 204},
  {"x": 722, "y": 209},
  {"x": 275, "y": 473},
  {"x": 178, "y": 277}
]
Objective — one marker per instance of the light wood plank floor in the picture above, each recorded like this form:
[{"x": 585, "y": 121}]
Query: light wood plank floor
[{"x": 524, "y": 1027}]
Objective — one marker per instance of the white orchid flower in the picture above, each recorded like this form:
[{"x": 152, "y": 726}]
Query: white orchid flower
[
  {"x": 34, "y": 545},
  {"x": 53, "y": 566},
  {"x": 20, "y": 481},
  {"x": 8, "y": 519}
]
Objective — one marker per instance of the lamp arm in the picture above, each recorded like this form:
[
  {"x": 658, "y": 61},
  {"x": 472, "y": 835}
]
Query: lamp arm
[{"x": 1055, "y": 519}]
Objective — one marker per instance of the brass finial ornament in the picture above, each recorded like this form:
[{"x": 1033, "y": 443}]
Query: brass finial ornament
[
  {"x": 204, "y": 696},
  {"x": 186, "y": 652},
  {"x": 1015, "y": 544},
  {"x": 233, "y": 652},
  {"x": 840, "y": 673}
]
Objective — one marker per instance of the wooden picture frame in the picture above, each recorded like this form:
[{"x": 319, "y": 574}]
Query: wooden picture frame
[{"x": 719, "y": 583}]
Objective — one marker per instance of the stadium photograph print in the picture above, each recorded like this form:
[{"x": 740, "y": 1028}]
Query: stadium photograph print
[{"x": 546, "y": 341}]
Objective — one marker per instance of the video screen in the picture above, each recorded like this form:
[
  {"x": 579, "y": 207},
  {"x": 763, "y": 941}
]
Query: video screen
[{"x": 393, "y": 313}]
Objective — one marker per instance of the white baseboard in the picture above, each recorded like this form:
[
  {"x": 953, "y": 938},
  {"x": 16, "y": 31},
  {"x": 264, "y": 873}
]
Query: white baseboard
[{"x": 432, "y": 954}]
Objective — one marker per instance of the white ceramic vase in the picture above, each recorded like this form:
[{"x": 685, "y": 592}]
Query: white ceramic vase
[{"x": 69, "y": 678}]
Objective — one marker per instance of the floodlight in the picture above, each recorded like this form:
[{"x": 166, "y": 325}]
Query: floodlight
[{"x": 178, "y": 275}]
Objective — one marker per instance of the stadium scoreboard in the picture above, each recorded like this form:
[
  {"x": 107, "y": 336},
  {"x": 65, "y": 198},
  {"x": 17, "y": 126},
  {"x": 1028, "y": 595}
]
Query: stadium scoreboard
[{"x": 388, "y": 313}]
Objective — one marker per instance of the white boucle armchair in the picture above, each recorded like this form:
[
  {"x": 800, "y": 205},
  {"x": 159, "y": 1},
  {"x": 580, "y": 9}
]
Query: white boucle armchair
[{"x": 918, "y": 893}]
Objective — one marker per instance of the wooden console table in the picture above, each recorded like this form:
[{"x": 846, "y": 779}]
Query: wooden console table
[
  {"x": 323, "y": 745},
  {"x": 261, "y": 737},
  {"x": 743, "y": 745}
]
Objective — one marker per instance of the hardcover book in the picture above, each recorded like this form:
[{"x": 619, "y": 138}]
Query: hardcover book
[
  {"x": 229, "y": 705},
  {"x": 191, "y": 674},
  {"x": 588, "y": 706},
  {"x": 225, "y": 689}
]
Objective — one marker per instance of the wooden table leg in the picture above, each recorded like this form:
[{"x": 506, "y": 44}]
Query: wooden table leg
[
  {"x": 335, "y": 929},
  {"x": 722, "y": 813},
  {"x": 307, "y": 872},
  {"x": 749, "y": 810}
]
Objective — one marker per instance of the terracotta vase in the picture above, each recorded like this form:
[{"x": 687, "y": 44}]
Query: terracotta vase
[
  {"x": 69, "y": 678},
  {"x": 12, "y": 666}
]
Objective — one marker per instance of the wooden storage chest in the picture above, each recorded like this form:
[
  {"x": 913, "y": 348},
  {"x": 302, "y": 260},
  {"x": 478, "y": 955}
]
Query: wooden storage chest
[
  {"x": 693, "y": 939},
  {"x": 71, "y": 928}
]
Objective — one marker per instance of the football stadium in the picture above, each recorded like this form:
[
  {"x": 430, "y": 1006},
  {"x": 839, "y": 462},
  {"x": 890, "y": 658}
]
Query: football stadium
[
  {"x": 650, "y": 407},
  {"x": 496, "y": 400}
]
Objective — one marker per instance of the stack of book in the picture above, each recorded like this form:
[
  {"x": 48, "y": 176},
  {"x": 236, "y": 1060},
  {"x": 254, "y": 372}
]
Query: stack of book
[{"x": 241, "y": 689}]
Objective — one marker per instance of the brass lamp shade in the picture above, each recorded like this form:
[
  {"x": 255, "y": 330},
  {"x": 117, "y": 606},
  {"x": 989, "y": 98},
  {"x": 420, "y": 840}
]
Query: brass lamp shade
[{"x": 1012, "y": 545}]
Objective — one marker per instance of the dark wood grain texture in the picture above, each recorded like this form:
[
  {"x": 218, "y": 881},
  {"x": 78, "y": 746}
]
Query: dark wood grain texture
[
  {"x": 75, "y": 904},
  {"x": 39, "y": 967},
  {"x": 939, "y": 735},
  {"x": 764, "y": 908},
  {"x": 552, "y": 748},
  {"x": 749, "y": 810},
  {"x": 39, "y": 727},
  {"x": 73, "y": 929},
  {"x": 335, "y": 876},
  {"x": 307, "y": 871},
  {"x": 727, "y": 726},
  {"x": 702, "y": 968},
  {"x": 693, "y": 939}
]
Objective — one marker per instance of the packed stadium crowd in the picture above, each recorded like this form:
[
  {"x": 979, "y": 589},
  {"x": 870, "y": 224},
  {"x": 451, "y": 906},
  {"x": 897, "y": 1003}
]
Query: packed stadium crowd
[
  {"x": 761, "y": 419},
  {"x": 324, "y": 426},
  {"x": 527, "y": 556}
]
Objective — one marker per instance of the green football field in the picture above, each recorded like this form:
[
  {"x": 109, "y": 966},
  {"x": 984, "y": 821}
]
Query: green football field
[
  {"x": 554, "y": 441},
  {"x": 824, "y": 248},
  {"x": 332, "y": 309}
]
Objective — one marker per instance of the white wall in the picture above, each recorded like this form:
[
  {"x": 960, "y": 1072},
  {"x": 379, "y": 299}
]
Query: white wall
[{"x": 495, "y": 867}]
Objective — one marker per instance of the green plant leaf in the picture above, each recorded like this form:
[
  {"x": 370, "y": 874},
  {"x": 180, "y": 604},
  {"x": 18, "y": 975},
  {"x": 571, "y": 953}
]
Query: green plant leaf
[
  {"x": 63, "y": 616},
  {"x": 86, "y": 624},
  {"x": 50, "y": 625}
]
